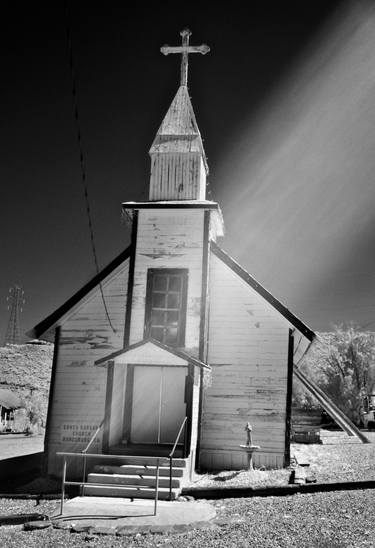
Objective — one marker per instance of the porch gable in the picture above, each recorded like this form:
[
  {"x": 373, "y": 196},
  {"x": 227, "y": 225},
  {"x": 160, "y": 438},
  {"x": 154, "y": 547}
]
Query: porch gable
[{"x": 151, "y": 351}]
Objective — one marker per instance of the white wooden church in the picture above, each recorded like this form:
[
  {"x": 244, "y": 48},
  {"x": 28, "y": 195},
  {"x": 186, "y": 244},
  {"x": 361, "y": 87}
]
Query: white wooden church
[{"x": 195, "y": 335}]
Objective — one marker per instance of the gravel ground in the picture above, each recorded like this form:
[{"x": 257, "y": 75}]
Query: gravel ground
[
  {"x": 230, "y": 478},
  {"x": 325, "y": 520},
  {"x": 338, "y": 458}
]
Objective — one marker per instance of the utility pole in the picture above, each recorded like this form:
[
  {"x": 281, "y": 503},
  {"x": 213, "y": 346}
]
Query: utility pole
[{"x": 15, "y": 301}]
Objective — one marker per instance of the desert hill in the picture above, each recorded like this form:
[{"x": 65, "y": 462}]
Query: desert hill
[{"x": 26, "y": 370}]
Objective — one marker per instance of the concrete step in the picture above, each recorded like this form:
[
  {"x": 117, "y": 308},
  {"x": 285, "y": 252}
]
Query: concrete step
[
  {"x": 119, "y": 479},
  {"x": 129, "y": 492},
  {"x": 147, "y": 461},
  {"x": 138, "y": 470}
]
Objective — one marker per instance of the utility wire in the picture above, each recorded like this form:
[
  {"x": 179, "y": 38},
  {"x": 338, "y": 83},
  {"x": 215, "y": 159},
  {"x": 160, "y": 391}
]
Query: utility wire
[
  {"x": 367, "y": 324},
  {"x": 82, "y": 160}
]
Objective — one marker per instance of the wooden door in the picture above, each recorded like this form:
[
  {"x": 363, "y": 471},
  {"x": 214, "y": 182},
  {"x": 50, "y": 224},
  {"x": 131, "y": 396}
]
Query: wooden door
[{"x": 158, "y": 406}]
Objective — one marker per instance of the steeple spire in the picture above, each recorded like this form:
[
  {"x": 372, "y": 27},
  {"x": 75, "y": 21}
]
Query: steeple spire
[
  {"x": 178, "y": 162},
  {"x": 185, "y": 49}
]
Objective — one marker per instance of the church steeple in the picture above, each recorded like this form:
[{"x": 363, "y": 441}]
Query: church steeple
[{"x": 178, "y": 161}]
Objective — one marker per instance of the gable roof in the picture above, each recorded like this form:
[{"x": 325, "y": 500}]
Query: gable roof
[
  {"x": 179, "y": 353},
  {"x": 48, "y": 322},
  {"x": 242, "y": 273}
]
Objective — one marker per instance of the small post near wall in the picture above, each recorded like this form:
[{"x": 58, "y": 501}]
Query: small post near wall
[{"x": 249, "y": 448}]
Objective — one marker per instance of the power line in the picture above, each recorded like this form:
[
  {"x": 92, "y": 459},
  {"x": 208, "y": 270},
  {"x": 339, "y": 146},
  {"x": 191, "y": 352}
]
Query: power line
[
  {"x": 81, "y": 159},
  {"x": 367, "y": 324}
]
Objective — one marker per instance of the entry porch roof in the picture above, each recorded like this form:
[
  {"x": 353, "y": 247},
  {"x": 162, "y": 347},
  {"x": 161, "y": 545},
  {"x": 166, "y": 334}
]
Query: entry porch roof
[{"x": 149, "y": 350}]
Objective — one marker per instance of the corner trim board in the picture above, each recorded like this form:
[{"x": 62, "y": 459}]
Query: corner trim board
[
  {"x": 51, "y": 392},
  {"x": 108, "y": 407},
  {"x": 203, "y": 327},
  {"x": 129, "y": 297},
  {"x": 128, "y": 407},
  {"x": 206, "y": 245},
  {"x": 289, "y": 391}
]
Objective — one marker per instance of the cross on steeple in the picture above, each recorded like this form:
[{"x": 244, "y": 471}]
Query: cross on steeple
[{"x": 185, "y": 49}]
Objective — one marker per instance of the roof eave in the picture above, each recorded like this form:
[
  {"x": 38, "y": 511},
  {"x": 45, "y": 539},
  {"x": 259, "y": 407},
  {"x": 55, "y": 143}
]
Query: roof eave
[
  {"x": 288, "y": 315},
  {"x": 46, "y": 324}
]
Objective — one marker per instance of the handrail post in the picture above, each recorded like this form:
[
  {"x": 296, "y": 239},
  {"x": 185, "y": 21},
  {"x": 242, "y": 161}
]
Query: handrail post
[
  {"x": 170, "y": 478},
  {"x": 91, "y": 441},
  {"x": 63, "y": 487},
  {"x": 172, "y": 453},
  {"x": 82, "y": 489},
  {"x": 185, "y": 441},
  {"x": 156, "y": 487}
]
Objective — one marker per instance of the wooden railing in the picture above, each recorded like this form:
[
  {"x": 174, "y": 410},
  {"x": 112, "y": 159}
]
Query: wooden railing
[
  {"x": 171, "y": 454},
  {"x": 92, "y": 484}
]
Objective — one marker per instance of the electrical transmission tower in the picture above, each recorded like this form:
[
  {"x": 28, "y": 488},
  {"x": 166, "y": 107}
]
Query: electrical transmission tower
[{"x": 15, "y": 301}]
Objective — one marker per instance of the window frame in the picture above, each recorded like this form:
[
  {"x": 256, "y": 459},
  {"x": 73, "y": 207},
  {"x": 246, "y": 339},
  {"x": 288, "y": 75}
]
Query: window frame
[{"x": 183, "y": 273}]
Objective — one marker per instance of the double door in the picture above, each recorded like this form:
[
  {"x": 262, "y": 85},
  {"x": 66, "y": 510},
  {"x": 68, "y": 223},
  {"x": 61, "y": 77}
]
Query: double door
[{"x": 158, "y": 403}]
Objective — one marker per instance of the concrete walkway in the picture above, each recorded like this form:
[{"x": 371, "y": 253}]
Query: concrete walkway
[{"x": 107, "y": 515}]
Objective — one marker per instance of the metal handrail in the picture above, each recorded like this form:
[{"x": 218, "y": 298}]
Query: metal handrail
[
  {"x": 171, "y": 456},
  {"x": 84, "y": 452},
  {"x": 92, "y": 484}
]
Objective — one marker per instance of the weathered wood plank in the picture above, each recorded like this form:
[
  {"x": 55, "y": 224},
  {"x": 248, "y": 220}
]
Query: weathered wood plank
[
  {"x": 248, "y": 340},
  {"x": 86, "y": 336},
  {"x": 167, "y": 240}
]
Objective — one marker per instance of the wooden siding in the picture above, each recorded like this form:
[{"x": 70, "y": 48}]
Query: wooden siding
[
  {"x": 177, "y": 176},
  {"x": 80, "y": 387},
  {"x": 248, "y": 353},
  {"x": 169, "y": 239},
  {"x": 237, "y": 460}
]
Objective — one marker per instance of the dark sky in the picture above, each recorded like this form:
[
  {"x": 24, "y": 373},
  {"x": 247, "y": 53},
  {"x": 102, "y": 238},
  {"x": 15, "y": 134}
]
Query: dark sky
[{"x": 285, "y": 103}]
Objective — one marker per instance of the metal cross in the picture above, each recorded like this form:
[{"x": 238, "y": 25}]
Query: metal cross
[{"x": 185, "y": 49}]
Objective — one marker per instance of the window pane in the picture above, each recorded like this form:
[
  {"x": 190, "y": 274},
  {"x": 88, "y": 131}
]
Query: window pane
[
  {"x": 170, "y": 335},
  {"x": 158, "y": 317},
  {"x": 160, "y": 282},
  {"x": 157, "y": 333},
  {"x": 166, "y": 297},
  {"x": 172, "y": 318},
  {"x": 174, "y": 283},
  {"x": 173, "y": 300},
  {"x": 158, "y": 300}
]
